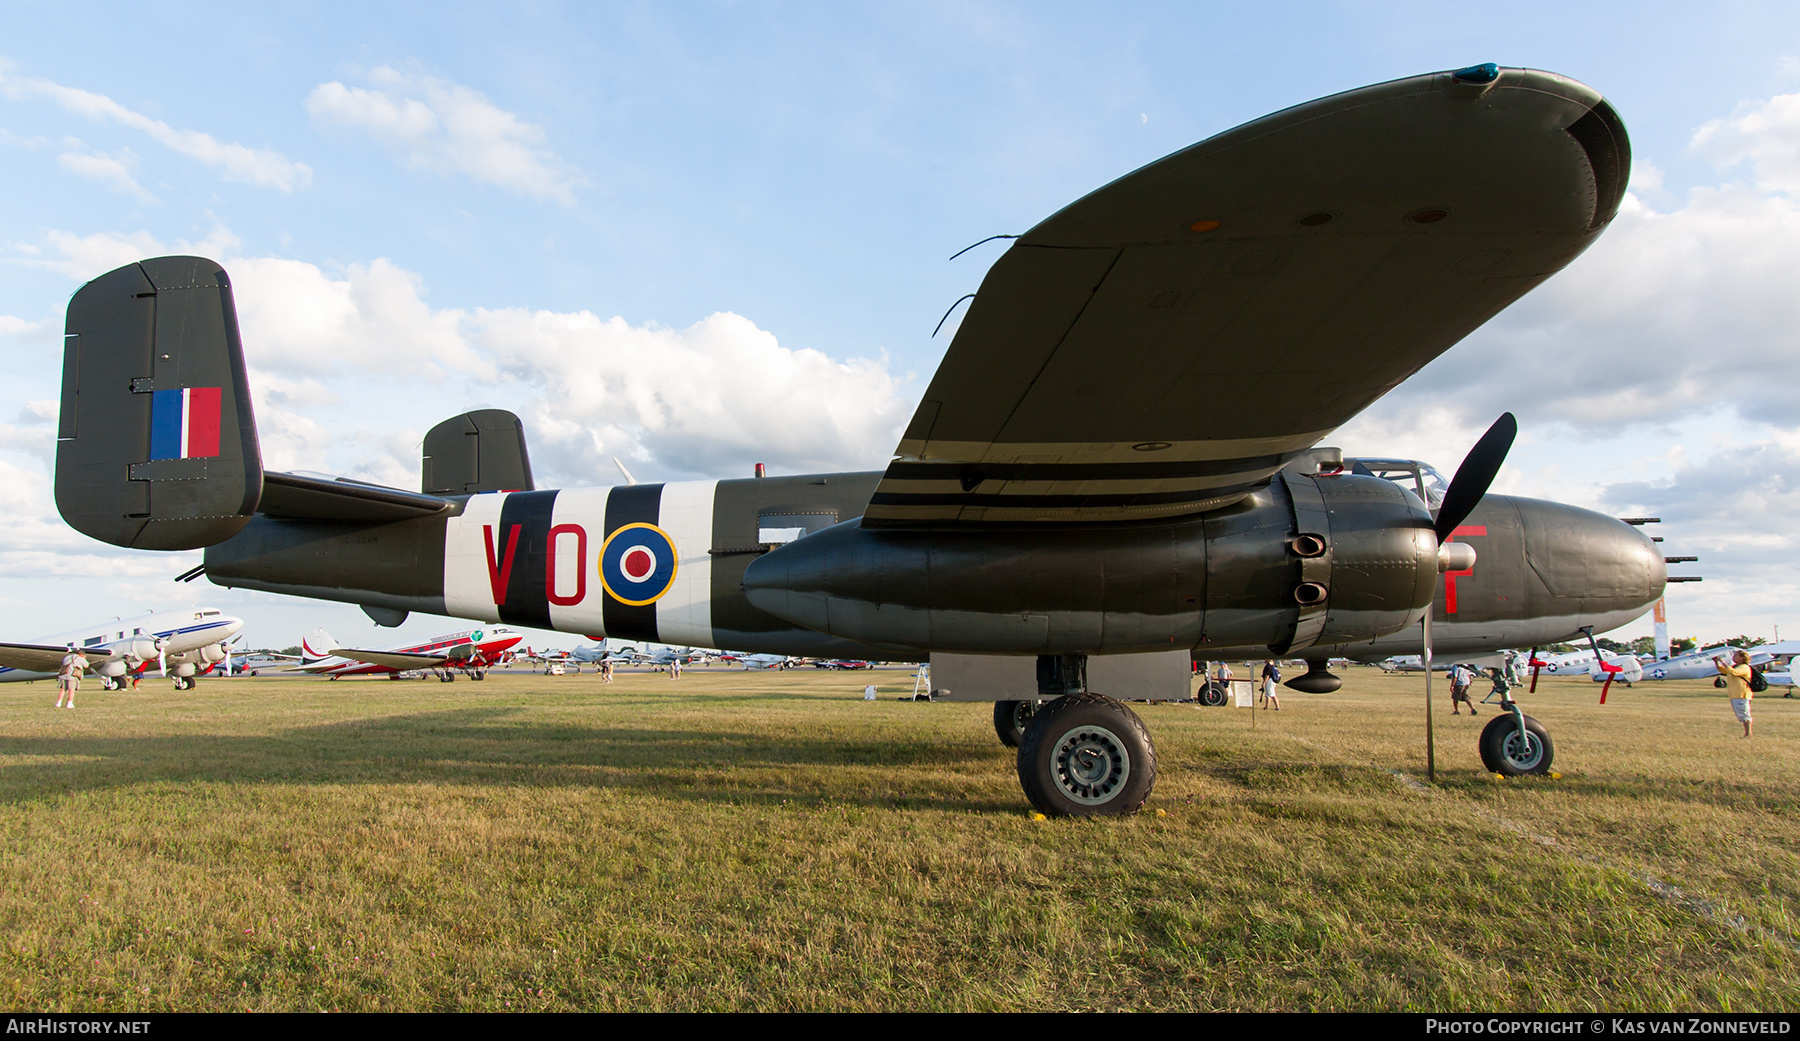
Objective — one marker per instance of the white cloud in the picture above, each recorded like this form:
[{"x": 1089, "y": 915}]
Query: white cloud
[
  {"x": 711, "y": 399},
  {"x": 112, "y": 171},
  {"x": 20, "y": 329},
  {"x": 439, "y": 125},
  {"x": 348, "y": 368},
  {"x": 235, "y": 162},
  {"x": 1766, "y": 135},
  {"x": 82, "y": 257}
]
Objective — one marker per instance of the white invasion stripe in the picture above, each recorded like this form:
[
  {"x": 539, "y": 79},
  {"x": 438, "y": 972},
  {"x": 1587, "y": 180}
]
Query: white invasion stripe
[
  {"x": 586, "y": 509},
  {"x": 467, "y": 591},
  {"x": 684, "y": 614}
]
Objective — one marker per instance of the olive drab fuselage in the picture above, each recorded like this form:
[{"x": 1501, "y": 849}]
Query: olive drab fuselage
[{"x": 686, "y": 563}]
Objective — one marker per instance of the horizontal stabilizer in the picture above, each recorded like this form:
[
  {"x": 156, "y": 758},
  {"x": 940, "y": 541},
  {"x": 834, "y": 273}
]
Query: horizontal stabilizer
[
  {"x": 303, "y": 497},
  {"x": 156, "y": 444}
]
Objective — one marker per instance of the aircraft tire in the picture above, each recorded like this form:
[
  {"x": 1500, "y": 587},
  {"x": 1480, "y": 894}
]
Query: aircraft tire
[
  {"x": 1086, "y": 755},
  {"x": 1719, "y": 683},
  {"x": 1212, "y": 695},
  {"x": 1501, "y": 752},
  {"x": 1010, "y": 718},
  {"x": 478, "y": 675}
]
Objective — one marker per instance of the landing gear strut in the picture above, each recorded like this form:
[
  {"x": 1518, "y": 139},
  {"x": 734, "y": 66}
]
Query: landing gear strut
[{"x": 1083, "y": 754}]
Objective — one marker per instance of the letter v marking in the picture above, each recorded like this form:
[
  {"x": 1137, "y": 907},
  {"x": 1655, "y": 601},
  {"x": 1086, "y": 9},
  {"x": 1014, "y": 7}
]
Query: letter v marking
[{"x": 500, "y": 573}]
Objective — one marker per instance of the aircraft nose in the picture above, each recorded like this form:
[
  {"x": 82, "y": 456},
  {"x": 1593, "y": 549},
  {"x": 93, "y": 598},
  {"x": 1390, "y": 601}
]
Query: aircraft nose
[{"x": 1590, "y": 565}]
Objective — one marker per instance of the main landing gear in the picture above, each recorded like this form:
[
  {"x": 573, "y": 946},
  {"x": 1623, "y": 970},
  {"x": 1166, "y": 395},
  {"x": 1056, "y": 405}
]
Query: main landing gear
[
  {"x": 1010, "y": 718},
  {"x": 1081, "y": 754}
]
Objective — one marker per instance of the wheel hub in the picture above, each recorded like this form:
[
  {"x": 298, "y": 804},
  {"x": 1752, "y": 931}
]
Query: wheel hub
[
  {"x": 1091, "y": 764},
  {"x": 1522, "y": 750}
]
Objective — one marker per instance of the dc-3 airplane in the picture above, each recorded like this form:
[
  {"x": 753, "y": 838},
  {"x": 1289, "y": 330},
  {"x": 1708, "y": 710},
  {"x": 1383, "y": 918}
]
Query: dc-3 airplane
[
  {"x": 1066, "y": 518},
  {"x": 185, "y": 643},
  {"x": 471, "y": 651}
]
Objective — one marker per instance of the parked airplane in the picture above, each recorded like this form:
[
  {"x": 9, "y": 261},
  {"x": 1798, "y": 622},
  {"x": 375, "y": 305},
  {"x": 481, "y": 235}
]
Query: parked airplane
[
  {"x": 1060, "y": 520},
  {"x": 1698, "y": 664},
  {"x": 760, "y": 661},
  {"x": 185, "y": 643},
  {"x": 471, "y": 651}
]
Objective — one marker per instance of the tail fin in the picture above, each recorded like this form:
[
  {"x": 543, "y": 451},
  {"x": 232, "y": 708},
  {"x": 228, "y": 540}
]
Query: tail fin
[
  {"x": 480, "y": 451},
  {"x": 156, "y": 445},
  {"x": 317, "y": 646}
]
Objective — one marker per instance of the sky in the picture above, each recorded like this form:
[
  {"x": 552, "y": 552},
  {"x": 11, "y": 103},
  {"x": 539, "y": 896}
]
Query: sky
[{"x": 701, "y": 236}]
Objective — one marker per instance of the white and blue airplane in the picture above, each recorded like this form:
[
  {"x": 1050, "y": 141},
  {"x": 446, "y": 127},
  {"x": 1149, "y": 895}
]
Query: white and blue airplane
[
  {"x": 184, "y": 642},
  {"x": 1698, "y": 665}
]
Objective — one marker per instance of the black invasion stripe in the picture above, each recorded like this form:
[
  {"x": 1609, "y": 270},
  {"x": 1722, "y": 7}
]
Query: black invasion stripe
[
  {"x": 527, "y": 600},
  {"x": 630, "y": 504},
  {"x": 915, "y": 471},
  {"x": 1067, "y": 502}
]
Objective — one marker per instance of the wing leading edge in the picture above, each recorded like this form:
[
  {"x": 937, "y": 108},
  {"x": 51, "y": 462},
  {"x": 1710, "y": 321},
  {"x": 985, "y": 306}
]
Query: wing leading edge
[{"x": 1165, "y": 344}]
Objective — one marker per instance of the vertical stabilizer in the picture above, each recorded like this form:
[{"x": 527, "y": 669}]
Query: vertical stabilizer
[
  {"x": 480, "y": 451},
  {"x": 156, "y": 444}
]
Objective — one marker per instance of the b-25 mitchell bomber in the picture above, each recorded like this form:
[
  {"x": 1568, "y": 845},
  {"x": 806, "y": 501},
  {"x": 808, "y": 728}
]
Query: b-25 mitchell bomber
[{"x": 1065, "y": 519}]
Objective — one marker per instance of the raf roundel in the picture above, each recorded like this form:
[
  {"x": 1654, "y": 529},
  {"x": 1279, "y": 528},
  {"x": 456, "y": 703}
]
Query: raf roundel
[{"x": 637, "y": 564}]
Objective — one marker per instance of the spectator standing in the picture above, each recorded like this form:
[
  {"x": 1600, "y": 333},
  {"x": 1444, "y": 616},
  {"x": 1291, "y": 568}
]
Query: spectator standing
[
  {"x": 68, "y": 676},
  {"x": 1737, "y": 684},
  {"x": 1461, "y": 679}
]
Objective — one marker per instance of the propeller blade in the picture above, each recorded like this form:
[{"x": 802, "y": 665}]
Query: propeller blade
[
  {"x": 1475, "y": 474},
  {"x": 162, "y": 657}
]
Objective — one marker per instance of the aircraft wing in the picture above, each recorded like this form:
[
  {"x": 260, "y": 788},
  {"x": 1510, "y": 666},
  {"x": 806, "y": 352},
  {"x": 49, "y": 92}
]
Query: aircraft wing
[
  {"x": 31, "y": 657},
  {"x": 1165, "y": 344},
  {"x": 407, "y": 659}
]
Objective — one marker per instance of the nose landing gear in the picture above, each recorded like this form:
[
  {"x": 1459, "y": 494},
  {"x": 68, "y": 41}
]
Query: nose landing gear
[{"x": 1513, "y": 744}]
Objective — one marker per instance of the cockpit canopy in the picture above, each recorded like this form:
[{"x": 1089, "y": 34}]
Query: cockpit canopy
[{"x": 1420, "y": 478}]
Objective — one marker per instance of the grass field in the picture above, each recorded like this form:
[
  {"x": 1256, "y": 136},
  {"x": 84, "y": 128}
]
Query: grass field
[{"x": 772, "y": 841}]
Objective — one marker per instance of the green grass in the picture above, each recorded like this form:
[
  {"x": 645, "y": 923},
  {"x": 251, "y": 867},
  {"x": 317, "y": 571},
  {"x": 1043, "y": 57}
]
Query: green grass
[{"x": 771, "y": 841}]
